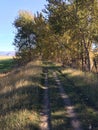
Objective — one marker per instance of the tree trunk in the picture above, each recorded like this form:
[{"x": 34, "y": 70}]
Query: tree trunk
[{"x": 87, "y": 58}]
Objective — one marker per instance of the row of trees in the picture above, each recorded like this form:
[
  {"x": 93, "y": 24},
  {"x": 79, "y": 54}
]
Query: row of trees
[{"x": 67, "y": 33}]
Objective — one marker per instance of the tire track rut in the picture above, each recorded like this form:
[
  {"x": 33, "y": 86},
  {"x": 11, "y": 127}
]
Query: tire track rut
[
  {"x": 46, "y": 108},
  {"x": 68, "y": 105},
  {"x": 46, "y": 114}
]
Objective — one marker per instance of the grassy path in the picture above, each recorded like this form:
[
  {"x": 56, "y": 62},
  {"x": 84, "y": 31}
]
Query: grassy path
[
  {"x": 79, "y": 91},
  {"x": 45, "y": 115},
  {"x": 31, "y": 93},
  {"x": 62, "y": 114},
  {"x": 70, "y": 112},
  {"x": 58, "y": 119}
]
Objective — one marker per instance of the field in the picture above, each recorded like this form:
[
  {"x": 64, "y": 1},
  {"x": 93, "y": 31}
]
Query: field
[
  {"x": 5, "y": 57},
  {"x": 6, "y": 63}
]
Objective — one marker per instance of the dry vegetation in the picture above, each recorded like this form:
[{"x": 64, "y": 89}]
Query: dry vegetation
[
  {"x": 5, "y": 57},
  {"x": 88, "y": 78},
  {"x": 19, "y": 98},
  {"x": 87, "y": 82}
]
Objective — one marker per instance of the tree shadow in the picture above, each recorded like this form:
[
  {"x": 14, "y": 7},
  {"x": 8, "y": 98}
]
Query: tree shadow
[
  {"x": 31, "y": 127},
  {"x": 19, "y": 99},
  {"x": 59, "y": 118},
  {"x": 61, "y": 125},
  {"x": 21, "y": 93}
]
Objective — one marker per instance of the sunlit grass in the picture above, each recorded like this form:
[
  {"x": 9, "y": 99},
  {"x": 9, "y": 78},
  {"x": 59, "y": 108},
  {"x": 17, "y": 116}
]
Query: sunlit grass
[
  {"x": 19, "y": 120},
  {"x": 5, "y": 57},
  {"x": 19, "y": 98},
  {"x": 78, "y": 76}
]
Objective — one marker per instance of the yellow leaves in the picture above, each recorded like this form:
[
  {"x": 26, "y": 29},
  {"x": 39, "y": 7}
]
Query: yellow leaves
[
  {"x": 26, "y": 15},
  {"x": 24, "y": 18}
]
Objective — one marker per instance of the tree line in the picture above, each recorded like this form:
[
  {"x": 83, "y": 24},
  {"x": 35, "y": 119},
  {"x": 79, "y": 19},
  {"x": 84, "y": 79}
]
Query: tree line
[{"x": 66, "y": 31}]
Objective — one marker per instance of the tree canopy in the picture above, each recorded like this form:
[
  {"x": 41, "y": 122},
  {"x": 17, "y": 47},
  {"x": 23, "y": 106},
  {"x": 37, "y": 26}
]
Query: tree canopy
[{"x": 68, "y": 33}]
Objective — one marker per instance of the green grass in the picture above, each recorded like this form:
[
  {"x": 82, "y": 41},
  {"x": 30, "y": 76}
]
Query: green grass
[{"x": 6, "y": 65}]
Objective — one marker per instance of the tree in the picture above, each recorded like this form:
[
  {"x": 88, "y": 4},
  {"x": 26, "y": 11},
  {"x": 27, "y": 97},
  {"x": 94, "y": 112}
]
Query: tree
[
  {"x": 79, "y": 18},
  {"x": 25, "y": 37},
  {"x": 66, "y": 35}
]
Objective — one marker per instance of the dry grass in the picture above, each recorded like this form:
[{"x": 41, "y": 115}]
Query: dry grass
[
  {"x": 79, "y": 77},
  {"x": 5, "y": 57},
  {"x": 87, "y": 82},
  {"x": 19, "y": 98}
]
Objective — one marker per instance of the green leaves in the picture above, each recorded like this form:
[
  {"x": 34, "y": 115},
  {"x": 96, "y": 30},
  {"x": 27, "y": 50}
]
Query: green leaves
[{"x": 66, "y": 34}]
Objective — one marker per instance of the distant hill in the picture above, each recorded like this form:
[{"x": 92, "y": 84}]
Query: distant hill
[{"x": 7, "y": 53}]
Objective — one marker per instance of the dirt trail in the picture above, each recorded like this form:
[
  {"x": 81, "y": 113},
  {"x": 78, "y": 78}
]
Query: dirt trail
[
  {"x": 68, "y": 106},
  {"x": 45, "y": 115}
]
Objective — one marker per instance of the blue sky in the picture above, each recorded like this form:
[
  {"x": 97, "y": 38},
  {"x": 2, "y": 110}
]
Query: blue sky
[{"x": 8, "y": 12}]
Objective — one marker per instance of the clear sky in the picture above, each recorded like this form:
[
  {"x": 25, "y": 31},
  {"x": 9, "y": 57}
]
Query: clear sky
[{"x": 8, "y": 12}]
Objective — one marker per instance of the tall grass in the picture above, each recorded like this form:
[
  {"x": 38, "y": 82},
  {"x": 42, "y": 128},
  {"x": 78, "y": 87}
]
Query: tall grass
[
  {"x": 87, "y": 82},
  {"x": 19, "y": 106}
]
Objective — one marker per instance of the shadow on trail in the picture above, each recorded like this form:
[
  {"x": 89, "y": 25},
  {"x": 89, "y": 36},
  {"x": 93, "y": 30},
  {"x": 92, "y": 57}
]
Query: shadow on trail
[
  {"x": 59, "y": 118},
  {"x": 21, "y": 98}
]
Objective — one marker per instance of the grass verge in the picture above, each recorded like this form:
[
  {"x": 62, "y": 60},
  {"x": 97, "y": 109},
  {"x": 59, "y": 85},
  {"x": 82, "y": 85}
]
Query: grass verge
[{"x": 19, "y": 98}]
